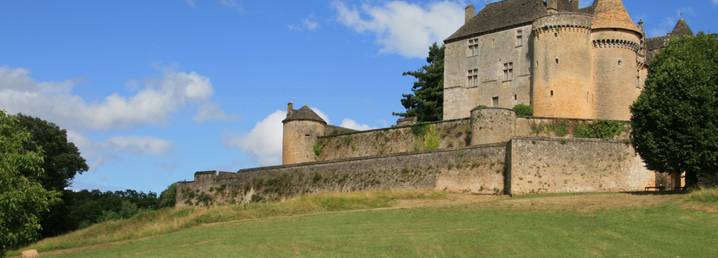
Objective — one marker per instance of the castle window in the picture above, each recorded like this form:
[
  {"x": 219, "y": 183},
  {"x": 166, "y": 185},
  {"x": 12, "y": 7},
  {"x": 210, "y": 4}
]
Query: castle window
[
  {"x": 555, "y": 34},
  {"x": 473, "y": 78},
  {"x": 473, "y": 47},
  {"x": 620, "y": 62},
  {"x": 519, "y": 38},
  {"x": 516, "y": 97},
  {"x": 508, "y": 71},
  {"x": 495, "y": 101},
  {"x": 557, "y": 61},
  {"x": 551, "y": 93}
]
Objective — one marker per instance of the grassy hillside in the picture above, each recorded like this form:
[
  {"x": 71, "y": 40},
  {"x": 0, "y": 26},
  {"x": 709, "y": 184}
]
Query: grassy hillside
[{"x": 414, "y": 223}]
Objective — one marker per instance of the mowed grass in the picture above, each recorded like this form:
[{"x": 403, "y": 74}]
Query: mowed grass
[{"x": 421, "y": 224}]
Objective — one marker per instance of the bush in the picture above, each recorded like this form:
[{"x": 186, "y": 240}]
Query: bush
[
  {"x": 523, "y": 110},
  {"x": 600, "y": 130},
  {"x": 167, "y": 197}
]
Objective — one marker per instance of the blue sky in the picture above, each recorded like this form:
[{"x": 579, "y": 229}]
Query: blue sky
[{"x": 152, "y": 91}]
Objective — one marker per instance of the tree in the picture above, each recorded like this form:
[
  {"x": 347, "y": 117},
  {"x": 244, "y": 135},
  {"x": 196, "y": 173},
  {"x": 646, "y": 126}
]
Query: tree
[
  {"x": 426, "y": 102},
  {"x": 675, "y": 119},
  {"x": 61, "y": 162},
  {"x": 22, "y": 200},
  {"x": 167, "y": 197}
]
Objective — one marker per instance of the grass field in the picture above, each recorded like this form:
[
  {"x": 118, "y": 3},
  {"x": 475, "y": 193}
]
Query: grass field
[{"x": 415, "y": 224}]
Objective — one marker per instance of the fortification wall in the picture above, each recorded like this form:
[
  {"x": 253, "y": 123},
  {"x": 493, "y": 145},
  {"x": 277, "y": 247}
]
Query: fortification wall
[
  {"x": 450, "y": 134},
  {"x": 486, "y": 126},
  {"x": 543, "y": 165},
  {"x": 475, "y": 169}
]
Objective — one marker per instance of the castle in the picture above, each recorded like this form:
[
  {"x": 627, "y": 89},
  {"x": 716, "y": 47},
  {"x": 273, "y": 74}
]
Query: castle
[
  {"x": 577, "y": 67},
  {"x": 564, "y": 61}
]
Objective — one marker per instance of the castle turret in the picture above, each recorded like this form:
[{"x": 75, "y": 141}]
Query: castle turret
[
  {"x": 616, "y": 43},
  {"x": 562, "y": 72},
  {"x": 301, "y": 129}
]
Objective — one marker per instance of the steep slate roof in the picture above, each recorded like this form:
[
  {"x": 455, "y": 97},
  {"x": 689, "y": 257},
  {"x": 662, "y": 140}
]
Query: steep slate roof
[
  {"x": 500, "y": 15},
  {"x": 305, "y": 113},
  {"x": 612, "y": 14},
  {"x": 682, "y": 29}
]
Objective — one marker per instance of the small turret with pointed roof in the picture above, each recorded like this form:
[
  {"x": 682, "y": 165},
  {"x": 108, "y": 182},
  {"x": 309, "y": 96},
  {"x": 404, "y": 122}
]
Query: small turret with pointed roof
[
  {"x": 305, "y": 113},
  {"x": 611, "y": 14},
  {"x": 682, "y": 29}
]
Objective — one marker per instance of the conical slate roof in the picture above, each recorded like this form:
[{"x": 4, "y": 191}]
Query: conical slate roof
[
  {"x": 611, "y": 14},
  {"x": 682, "y": 29},
  {"x": 305, "y": 113}
]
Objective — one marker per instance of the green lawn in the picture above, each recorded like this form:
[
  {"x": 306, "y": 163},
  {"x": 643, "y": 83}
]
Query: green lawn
[{"x": 607, "y": 225}]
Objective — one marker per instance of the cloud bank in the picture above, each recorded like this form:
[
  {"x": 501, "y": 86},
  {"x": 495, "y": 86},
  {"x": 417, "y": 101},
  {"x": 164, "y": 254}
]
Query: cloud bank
[
  {"x": 404, "y": 28},
  {"x": 152, "y": 104}
]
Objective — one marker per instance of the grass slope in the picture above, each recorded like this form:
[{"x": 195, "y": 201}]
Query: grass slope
[{"x": 410, "y": 224}]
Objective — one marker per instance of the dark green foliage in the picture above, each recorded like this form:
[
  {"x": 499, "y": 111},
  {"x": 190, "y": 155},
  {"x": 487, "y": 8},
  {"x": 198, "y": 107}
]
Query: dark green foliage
[
  {"x": 426, "y": 102},
  {"x": 168, "y": 197},
  {"x": 599, "y": 129},
  {"x": 22, "y": 199},
  {"x": 61, "y": 158},
  {"x": 675, "y": 119},
  {"x": 61, "y": 162},
  {"x": 523, "y": 110},
  {"x": 89, "y": 207}
]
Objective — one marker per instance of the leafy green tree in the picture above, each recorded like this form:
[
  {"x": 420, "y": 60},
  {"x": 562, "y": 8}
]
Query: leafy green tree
[
  {"x": 167, "y": 197},
  {"x": 675, "y": 119},
  {"x": 61, "y": 162},
  {"x": 22, "y": 200},
  {"x": 426, "y": 102}
]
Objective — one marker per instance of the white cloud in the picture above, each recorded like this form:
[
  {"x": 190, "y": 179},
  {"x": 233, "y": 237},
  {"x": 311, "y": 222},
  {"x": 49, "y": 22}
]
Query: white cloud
[
  {"x": 308, "y": 24},
  {"x": 715, "y": 1},
  {"x": 139, "y": 144},
  {"x": 404, "y": 28},
  {"x": 264, "y": 141},
  {"x": 152, "y": 104},
  {"x": 351, "y": 124}
]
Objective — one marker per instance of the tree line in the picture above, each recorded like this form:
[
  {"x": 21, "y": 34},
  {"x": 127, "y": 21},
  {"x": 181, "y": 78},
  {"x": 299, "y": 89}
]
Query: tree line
[{"x": 37, "y": 164}]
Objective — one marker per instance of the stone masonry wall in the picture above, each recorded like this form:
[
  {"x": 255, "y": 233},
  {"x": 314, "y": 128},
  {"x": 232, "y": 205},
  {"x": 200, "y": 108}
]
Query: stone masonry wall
[
  {"x": 542, "y": 165},
  {"x": 451, "y": 134},
  {"x": 475, "y": 169}
]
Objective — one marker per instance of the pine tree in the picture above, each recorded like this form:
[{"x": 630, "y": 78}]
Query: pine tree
[{"x": 426, "y": 102}]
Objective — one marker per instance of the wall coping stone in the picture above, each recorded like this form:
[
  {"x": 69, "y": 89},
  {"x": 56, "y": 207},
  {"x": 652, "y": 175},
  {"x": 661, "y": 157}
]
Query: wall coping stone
[
  {"x": 558, "y": 139},
  {"x": 394, "y": 128},
  {"x": 306, "y": 164}
]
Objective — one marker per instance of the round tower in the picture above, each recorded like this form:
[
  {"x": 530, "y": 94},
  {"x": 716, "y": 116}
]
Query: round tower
[
  {"x": 562, "y": 83},
  {"x": 301, "y": 129},
  {"x": 616, "y": 43}
]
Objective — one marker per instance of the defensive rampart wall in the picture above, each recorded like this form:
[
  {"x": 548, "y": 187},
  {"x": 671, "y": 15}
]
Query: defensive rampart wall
[{"x": 520, "y": 166}]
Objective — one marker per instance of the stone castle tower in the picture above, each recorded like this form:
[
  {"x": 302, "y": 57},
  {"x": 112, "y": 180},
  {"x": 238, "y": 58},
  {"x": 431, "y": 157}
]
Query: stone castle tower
[
  {"x": 563, "y": 60},
  {"x": 301, "y": 129}
]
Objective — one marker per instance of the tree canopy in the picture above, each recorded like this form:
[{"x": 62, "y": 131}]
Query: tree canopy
[
  {"x": 426, "y": 102},
  {"x": 675, "y": 119},
  {"x": 22, "y": 200}
]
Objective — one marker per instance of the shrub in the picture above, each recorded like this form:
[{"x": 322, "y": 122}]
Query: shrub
[
  {"x": 168, "y": 197},
  {"x": 523, "y": 110},
  {"x": 600, "y": 130}
]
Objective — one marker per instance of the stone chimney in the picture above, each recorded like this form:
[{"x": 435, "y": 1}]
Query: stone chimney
[
  {"x": 469, "y": 12},
  {"x": 290, "y": 108}
]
